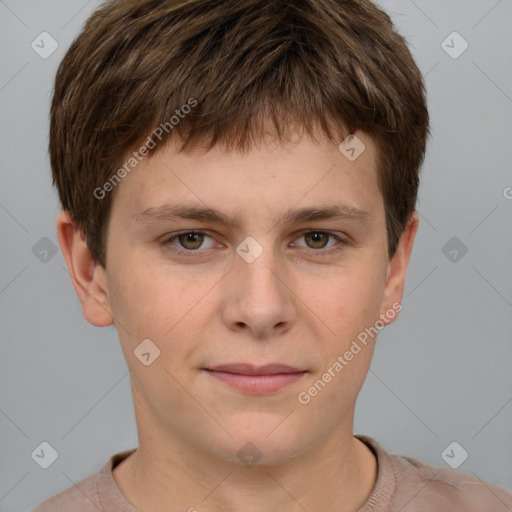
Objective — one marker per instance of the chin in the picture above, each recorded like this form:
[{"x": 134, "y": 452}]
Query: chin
[{"x": 261, "y": 443}]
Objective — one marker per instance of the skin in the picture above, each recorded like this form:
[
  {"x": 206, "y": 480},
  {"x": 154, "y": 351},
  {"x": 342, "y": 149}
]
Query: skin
[{"x": 291, "y": 306}]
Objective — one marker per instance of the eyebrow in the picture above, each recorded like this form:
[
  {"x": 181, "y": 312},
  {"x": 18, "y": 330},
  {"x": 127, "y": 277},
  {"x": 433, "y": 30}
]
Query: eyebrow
[{"x": 168, "y": 212}]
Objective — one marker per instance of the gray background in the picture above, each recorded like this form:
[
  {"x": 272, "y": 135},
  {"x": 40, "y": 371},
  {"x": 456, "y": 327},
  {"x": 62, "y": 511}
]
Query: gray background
[{"x": 440, "y": 374}]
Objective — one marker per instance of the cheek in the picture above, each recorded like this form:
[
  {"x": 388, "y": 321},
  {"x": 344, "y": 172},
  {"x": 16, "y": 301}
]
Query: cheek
[
  {"x": 350, "y": 306},
  {"x": 345, "y": 303},
  {"x": 168, "y": 309},
  {"x": 152, "y": 300}
]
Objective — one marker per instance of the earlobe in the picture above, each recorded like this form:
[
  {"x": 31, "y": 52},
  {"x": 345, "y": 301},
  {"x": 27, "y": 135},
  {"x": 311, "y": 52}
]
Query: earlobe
[
  {"x": 87, "y": 277},
  {"x": 397, "y": 268}
]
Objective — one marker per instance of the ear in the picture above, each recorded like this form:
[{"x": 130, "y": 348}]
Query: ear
[
  {"x": 88, "y": 278},
  {"x": 397, "y": 267}
]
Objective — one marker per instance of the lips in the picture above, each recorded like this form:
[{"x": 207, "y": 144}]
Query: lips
[
  {"x": 248, "y": 369},
  {"x": 256, "y": 379}
]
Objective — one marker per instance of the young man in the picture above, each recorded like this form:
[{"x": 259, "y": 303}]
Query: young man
[{"x": 238, "y": 181}]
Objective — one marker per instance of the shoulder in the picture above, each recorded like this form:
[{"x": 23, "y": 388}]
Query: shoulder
[
  {"x": 446, "y": 487},
  {"x": 83, "y": 496},
  {"x": 96, "y": 492},
  {"x": 420, "y": 487}
]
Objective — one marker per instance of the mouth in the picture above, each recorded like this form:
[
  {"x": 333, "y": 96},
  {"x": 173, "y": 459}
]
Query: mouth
[{"x": 256, "y": 379}]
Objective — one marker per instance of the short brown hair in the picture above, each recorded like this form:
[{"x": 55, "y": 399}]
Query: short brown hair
[{"x": 334, "y": 64}]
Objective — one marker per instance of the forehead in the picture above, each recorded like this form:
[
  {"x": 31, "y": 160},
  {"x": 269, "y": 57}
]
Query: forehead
[{"x": 269, "y": 179}]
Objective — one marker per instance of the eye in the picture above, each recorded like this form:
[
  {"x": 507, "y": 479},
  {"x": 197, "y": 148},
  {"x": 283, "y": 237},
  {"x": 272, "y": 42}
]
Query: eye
[
  {"x": 192, "y": 243},
  {"x": 318, "y": 241},
  {"x": 188, "y": 241}
]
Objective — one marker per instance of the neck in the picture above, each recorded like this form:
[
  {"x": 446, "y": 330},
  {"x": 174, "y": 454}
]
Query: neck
[{"x": 166, "y": 474}]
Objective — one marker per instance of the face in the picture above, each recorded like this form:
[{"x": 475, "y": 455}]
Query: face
[{"x": 252, "y": 275}]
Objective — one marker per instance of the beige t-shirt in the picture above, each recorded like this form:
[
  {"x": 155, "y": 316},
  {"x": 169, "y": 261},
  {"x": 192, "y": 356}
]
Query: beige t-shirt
[{"x": 403, "y": 484}]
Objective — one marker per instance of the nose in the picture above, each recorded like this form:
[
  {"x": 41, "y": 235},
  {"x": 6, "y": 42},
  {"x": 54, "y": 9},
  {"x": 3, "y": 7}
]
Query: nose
[{"x": 259, "y": 299}]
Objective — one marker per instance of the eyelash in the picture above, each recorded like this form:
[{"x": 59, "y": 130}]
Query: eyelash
[{"x": 194, "y": 253}]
